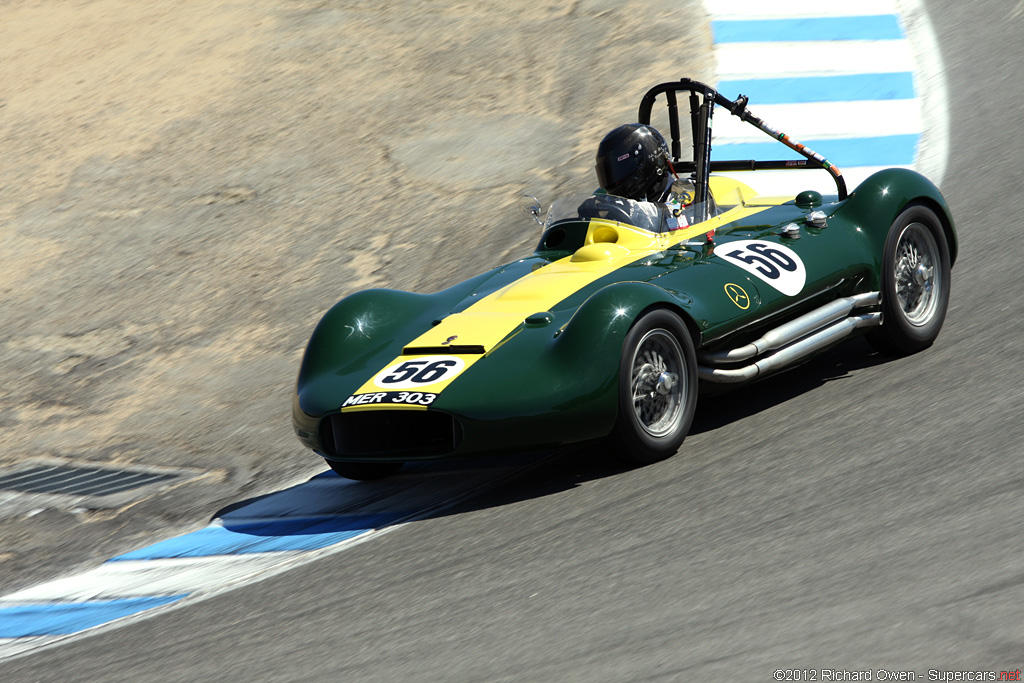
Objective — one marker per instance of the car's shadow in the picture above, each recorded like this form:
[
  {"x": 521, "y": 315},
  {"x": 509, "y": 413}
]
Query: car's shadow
[
  {"x": 331, "y": 504},
  {"x": 835, "y": 364}
]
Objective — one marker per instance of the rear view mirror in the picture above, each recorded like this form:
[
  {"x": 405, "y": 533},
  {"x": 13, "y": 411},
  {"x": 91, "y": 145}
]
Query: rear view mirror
[{"x": 529, "y": 204}]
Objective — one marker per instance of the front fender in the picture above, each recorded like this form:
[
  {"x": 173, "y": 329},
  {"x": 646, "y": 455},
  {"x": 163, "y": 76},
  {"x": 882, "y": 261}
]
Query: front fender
[
  {"x": 359, "y": 333},
  {"x": 600, "y": 324},
  {"x": 360, "y": 328},
  {"x": 357, "y": 336},
  {"x": 366, "y": 329},
  {"x": 552, "y": 384}
]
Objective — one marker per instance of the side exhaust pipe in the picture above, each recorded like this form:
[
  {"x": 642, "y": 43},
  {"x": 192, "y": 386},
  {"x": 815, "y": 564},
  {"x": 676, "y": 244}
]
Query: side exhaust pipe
[{"x": 793, "y": 341}]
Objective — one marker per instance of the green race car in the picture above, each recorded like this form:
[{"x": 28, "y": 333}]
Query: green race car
[{"x": 628, "y": 308}]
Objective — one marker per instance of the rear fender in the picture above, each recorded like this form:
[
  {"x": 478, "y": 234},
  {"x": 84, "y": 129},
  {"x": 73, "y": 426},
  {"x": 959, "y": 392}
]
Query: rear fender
[{"x": 876, "y": 203}]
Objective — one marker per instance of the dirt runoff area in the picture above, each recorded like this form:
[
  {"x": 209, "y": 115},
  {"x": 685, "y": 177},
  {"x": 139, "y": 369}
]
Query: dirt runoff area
[{"x": 185, "y": 187}]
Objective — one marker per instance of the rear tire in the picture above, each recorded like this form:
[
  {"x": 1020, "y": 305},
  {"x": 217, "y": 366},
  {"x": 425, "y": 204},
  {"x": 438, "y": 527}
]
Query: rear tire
[
  {"x": 364, "y": 471},
  {"x": 915, "y": 283},
  {"x": 657, "y": 389}
]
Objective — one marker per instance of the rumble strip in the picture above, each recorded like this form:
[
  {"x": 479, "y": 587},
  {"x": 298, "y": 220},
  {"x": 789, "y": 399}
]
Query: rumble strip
[
  {"x": 276, "y": 533},
  {"x": 868, "y": 105}
]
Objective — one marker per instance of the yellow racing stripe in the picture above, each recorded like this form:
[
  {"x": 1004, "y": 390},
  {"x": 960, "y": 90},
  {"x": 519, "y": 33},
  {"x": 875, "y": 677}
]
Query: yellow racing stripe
[{"x": 609, "y": 246}]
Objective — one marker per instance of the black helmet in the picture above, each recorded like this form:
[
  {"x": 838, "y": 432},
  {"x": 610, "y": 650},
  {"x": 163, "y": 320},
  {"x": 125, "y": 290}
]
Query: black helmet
[{"x": 632, "y": 161}]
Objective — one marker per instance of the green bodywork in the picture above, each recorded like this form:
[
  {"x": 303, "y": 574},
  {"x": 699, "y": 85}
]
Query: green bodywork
[{"x": 555, "y": 380}]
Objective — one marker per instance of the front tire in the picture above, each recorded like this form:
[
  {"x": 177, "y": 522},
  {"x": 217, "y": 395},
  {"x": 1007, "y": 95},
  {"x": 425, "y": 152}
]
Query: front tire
[
  {"x": 364, "y": 471},
  {"x": 915, "y": 283},
  {"x": 657, "y": 389}
]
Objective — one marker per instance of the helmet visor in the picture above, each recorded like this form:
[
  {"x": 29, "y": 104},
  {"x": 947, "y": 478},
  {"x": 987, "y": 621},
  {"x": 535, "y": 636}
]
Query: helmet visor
[{"x": 616, "y": 174}]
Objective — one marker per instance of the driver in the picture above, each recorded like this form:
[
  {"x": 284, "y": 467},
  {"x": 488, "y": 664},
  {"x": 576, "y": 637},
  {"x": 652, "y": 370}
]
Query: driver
[{"x": 633, "y": 162}]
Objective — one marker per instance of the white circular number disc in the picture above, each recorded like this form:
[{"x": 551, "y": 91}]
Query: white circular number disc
[{"x": 774, "y": 263}]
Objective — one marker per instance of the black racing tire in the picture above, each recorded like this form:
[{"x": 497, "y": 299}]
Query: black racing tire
[
  {"x": 364, "y": 471},
  {"x": 657, "y": 389},
  {"x": 915, "y": 283}
]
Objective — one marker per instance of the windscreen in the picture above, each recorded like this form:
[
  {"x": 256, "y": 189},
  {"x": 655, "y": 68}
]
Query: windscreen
[{"x": 650, "y": 216}]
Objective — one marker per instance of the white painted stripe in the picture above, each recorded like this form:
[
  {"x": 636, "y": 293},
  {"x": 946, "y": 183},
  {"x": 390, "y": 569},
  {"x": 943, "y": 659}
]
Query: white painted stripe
[
  {"x": 801, "y": 59},
  {"x": 792, "y": 9},
  {"x": 10, "y": 647},
  {"x": 130, "y": 579},
  {"x": 933, "y": 151},
  {"x": 919, "y": 54},
  {"x": 200, "y": 578},
  {"x": 867, "y": 119},
  {"x": 823, "y": 120}
]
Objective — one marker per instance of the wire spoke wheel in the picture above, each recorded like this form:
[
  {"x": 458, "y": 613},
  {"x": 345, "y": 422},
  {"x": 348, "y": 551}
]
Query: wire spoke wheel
[
  {"x": 917, "y": 275},
  {"x": 657, "y": 389},
  {"x": 658, "y": 383},
  {"x": 915, "y": 282}
]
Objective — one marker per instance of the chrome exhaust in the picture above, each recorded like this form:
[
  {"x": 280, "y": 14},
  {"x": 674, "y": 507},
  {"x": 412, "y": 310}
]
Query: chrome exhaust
[
  {"x": 794, "y": 329},
  {"x": 793, "y": 341}
]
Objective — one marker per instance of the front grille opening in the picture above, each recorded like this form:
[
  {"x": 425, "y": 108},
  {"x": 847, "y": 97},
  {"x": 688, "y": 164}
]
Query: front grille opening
[{"x": 390, "y": 432}]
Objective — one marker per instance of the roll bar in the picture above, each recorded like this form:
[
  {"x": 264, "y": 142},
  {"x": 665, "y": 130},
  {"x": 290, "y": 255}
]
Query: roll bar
[{"x": 703, "y": 99}]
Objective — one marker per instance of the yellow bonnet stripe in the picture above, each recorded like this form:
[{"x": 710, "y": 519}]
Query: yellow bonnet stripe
[{"x": 609, "y": 246}]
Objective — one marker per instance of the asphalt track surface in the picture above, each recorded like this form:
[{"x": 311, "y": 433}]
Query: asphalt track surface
[{"x": 860, "y": 514}]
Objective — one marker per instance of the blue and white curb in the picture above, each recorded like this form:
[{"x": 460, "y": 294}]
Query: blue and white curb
[
  {"x": 860, "y": 83},
  {"x": 325, "y": 514}
]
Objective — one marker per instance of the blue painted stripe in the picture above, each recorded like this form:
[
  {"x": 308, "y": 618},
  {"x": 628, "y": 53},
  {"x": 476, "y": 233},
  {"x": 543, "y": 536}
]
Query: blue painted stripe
[
  {"x": 24, "y": 621},
  {"x": 265, "y": 537},
  {"x": 851, "y": 88},
  {"x": 889, "y": 150},
  {"x": 876, "y": 27}
]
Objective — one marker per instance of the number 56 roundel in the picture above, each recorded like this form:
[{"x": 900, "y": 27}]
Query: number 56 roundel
[
  {"x": 419, "y": 372},
  {"x": 776, "y": 264}
]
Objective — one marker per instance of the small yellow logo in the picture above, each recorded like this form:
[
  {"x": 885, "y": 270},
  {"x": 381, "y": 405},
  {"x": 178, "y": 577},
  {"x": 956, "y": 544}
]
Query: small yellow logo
[{"x": 737, "y": 295}]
